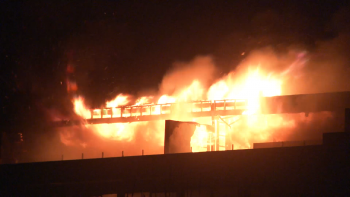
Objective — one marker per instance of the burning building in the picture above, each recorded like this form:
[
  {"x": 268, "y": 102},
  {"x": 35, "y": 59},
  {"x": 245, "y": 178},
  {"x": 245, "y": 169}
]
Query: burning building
[
  {"x": 247, "y": 106},
  {"x": 248, "y": 115},
  {"x": 252, "y": 104},
  {"x": 258, "y": 115}
]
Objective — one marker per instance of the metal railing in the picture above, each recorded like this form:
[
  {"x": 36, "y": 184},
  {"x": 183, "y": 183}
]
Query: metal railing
[{"x": 168, "y": 108}]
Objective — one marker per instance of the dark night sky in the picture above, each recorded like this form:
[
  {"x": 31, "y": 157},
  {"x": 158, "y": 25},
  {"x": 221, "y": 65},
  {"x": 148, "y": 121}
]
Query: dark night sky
[{"x": 127, "y": 46}]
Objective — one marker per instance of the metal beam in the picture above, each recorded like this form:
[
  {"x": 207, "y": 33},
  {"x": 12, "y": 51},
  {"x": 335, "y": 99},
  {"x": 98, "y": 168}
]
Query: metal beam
[{"x": 304, "y": 103}]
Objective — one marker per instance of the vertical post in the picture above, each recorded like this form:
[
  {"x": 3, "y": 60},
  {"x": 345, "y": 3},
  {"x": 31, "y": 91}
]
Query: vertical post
[
  {"x": 122, "y": 153},
  {"x": 101, "y": 112},
  {"x": 111, "y": 112},
  {"x": 142, "y": 151},
  {"x": 82, "y": 155},
  {"x": 227, "y": 147},
  {"x": 211, "y": 140},
  {"x": 121, "y": 112},
  {"x": 92, "y": 113},
  {"x": 212, "y": 108},
  {"x": 215, "y": 124},
  {"x": 209, "y": 143},
  {"x": 232, "y": 146},
  {"x": 217, "y": 134},
  {"x": 102, "y": 154}
]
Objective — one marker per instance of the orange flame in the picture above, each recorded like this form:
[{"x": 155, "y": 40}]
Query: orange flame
[
  {"x": 201, "y": 139},
  {"x": 80, "y": 108},
  {"x": 239, "y": 130},
  {"x": 119, "y": 100}
]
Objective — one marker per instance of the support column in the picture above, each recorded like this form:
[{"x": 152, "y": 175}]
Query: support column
[
  {"x": 217, "y": 134},
  {"x": 227, "y": 145},
  {"x": 215, "y": 124}
]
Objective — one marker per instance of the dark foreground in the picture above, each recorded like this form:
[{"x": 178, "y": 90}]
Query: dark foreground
[{"x": 322, "y": 170}]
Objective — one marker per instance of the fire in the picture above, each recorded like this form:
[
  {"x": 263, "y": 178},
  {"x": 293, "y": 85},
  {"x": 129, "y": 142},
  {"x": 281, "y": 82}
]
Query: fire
[
  {"x": 144, "y": 100},
  {"x": 80, "y": 108},
  {"x": 116, "y": 131},
  {"x": 193, "y": 92},
  {"x": 166, "y": 99},
  {"x": 201, "y": 139},
  {"x": 246, "y": 85},
  {"x": 250, "y": 87},
  {"x": 253, "y": 84},
  {"x": 119, "y": 100}
]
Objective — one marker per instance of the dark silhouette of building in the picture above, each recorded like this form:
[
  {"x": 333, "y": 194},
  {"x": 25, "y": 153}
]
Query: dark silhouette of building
[{"x": 315, "y": 170}]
